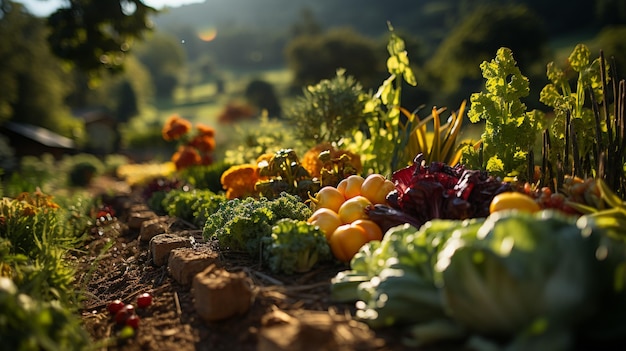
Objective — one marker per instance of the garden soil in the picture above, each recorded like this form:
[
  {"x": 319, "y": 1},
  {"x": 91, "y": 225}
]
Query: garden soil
[{"x": 288, "y": 312}]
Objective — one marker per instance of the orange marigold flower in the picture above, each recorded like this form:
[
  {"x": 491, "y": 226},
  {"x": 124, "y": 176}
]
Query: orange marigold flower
[
  {"x": 239, "y": 181},
  {"x": 186, "y": 156},
  {"x": 175, "y": 127},
  {"x": 311, "y": 162},
  {"x": 206, "y": 160},
  {"x": 264, "y": 157},
  {"x": 29, "y": 210},
  {"x": 203, "y": 129},
  {"x": 204, "y": 143}
]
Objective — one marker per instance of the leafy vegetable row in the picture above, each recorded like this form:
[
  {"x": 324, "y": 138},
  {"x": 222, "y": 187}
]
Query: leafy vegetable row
[{"x": 512, "y": 280}]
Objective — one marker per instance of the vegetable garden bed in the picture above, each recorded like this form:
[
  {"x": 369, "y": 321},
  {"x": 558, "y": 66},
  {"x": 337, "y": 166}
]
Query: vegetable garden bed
[
  {"x": 397, "y": 246},
  {"x": 126, "y": 269}
]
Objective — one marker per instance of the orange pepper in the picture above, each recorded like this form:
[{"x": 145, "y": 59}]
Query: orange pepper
[
  {"x": 348, "y": 239},
  {"x": 376, "y": 188}
]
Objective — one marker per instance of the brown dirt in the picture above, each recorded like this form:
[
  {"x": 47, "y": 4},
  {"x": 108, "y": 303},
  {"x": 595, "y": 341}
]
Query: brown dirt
[{"x": 124, "y": 270}]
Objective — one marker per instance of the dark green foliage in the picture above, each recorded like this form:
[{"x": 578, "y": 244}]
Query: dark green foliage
[
  {"x": 33, "y": 85},
  {"x": 82, "y": 174},
  {"x": 194, "y": 206},
  {"x": 127, "y": 102},
  {"x": 295, "y": 246},
  {"x": 82, "y": 168},
  {"x": 242, "y": 224},
  {"x": 29, "y": 324},
  {"x": 96, "y": 34},
  {"x": 454, "y": 67},
  {"x": 316, "y": 57},
  {"x": 262, "y": 95}
]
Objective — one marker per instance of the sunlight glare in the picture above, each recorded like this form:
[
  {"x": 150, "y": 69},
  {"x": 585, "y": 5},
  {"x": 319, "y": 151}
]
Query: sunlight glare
[{"x": 207, "y": 34}]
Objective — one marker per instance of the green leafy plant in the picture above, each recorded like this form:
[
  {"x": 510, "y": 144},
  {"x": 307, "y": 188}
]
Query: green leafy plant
[
  {"x": 569, "y": 105},
  {"x": 194, "y": 206},
  {"x": 586, "y": 138},
  {"x": 383, "y": 145},
  {"x": 510, "y": 130},
  {"x": 31, "y": 324},
  {"x": 295, "y": 246},
  {"x": 257, "y": 137},
  {"x": 329, "y": 111},
  {"x": 283, "y": 172},
  {"x": 241, "y": 224}
]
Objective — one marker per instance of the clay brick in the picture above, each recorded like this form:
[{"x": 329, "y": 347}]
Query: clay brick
[
  {"x": 185, "y": 263},
  {"x": 162, "y": 244},
  {"x": 152, "y": 227},
  {"x": 219, "y": 294},
  {"x": 136, "y": 219}
]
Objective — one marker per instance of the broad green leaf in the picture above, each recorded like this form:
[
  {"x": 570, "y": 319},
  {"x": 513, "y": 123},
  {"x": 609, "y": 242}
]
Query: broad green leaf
[
  {"x": 555, "y": 74},
  {"x": 495, "y": 165},
  {"x": 579, "y": 58},
  {"x": 550, "y": 96},
  {"x": 409, "y": 77}
]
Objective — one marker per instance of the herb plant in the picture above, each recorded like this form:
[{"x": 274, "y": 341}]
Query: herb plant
[
  {"x": 510, "y": 130},
  {"x": 329, "y": 111}
]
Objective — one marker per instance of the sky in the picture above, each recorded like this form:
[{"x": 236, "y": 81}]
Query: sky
[{"x": 46, "y": 7}]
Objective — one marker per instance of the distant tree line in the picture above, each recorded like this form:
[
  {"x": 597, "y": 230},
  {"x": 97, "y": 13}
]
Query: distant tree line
[{"x": 51, "y": 65}]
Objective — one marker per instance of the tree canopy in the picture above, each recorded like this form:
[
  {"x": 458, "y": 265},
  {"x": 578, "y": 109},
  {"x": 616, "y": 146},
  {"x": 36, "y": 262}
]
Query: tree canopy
[
  {"x": 33, "y": 85},
  {"x": 94, "y": 34}
]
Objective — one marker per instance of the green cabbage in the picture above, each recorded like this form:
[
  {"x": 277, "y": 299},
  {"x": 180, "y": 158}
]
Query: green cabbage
[{"x": 521, "y": 271}]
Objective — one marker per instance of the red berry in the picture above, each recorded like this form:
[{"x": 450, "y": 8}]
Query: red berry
[
  {"x": 115, "y": 306},
  {"x": 144, "y": 300},
  {"x": 133, "y": 321},
  {"x": 122, "y": 315}
]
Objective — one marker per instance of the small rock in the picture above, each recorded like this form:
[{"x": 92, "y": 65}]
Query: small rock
[
  {"x": 136, "y": 219},
  {"x": 152, "y": 227},
  {"x": 161, "y": 245},
  {"x": 219, "y": 294},
  {"x": 185, "y": 263},
  {"x": 308, "y": 330}
]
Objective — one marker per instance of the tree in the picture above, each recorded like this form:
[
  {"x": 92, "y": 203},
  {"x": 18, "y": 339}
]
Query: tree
[
  {"x": 33, "y": 85},
  {"x": 312, "y": 58},
  {"x": 261, "y": 94},
  {"x": 95, "y": 34}
]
